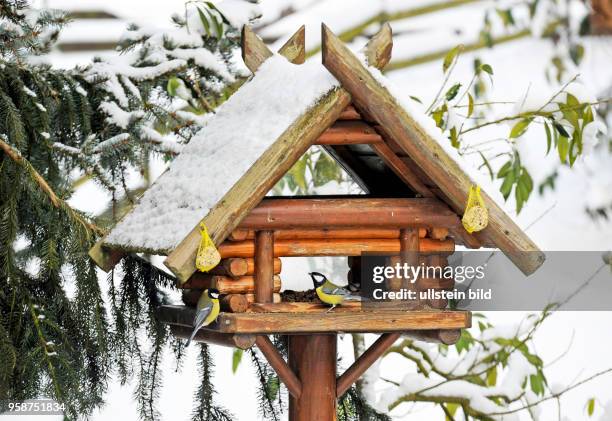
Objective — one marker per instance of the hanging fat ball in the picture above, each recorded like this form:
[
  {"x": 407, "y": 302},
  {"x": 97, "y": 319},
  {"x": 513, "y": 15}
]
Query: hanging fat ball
[
  {"x": 207, "y": 311},
  {"x": 327, "y": 291}
]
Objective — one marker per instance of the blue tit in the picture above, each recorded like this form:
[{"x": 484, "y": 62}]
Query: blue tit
[
  {"x": 327, "y": 291},
  {"x": 207, "y": 311}
]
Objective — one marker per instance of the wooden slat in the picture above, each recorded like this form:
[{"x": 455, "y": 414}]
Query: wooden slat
[
  {"x": 227, "y": 285},
  {"x": 224, "y": 217},
  {"x": 349, "y": 213},
  {"x": 349, "y": 133},
  {"x": 332, "y": 247},
  {"x": 303, "y": 234},
  {"x": 373, "y": 97},
  {"x": 232, "y": 303},
  {"x": 367, "y": 321},
  {"x": 286, "y": 374},
  {"x": 241, "y": 267}
]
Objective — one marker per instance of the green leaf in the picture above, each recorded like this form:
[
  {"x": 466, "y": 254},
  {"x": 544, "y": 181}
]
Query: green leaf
[
  {"x": 173, "y": 84},
  {"x": 450, "y": 57},
  {"x": 454, "y": 138},
  {"x": 561, "y": 129},
  {"x": 452, "y": 408},
  {"x": 505, "y": 169},
  {"x": 204, "y": 20},
  {"x": 591, "y": 406},
  {"x": 487, "y": 68},
  {"x": 414, "y": 98},
  {"x": 236, "y": 359},
  {"x": 272, "y": 388},
  {"x": 485, "y": 162},
  {"x": 492, "y": 376},
  {"x": 537, "y": 384},
  {"x": 453, "y": 91},
  {"x": 470, "y": 105},
  {"x": 548, "y": 137},
  {"x": 563, "y": 148},
  {"x": 506, "y": 187},
  {"x": 576, "y": 53},
  {"x": 520, "y": 127}
]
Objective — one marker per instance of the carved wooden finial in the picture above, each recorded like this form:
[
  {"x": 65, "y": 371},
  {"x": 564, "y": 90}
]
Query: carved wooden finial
[
  {"x": 378, "y": 49},
  {"x": 254, "y": 50},
  {"x": 295, "y": 48}
]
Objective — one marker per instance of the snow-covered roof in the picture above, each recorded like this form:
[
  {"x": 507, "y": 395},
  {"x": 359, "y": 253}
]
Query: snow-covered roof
[
  {"x": 211, "y": 175},
  {"x": 214, "y": 160}
]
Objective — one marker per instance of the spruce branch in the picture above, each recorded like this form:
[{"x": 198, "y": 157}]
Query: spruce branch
[{"x": 16, "y": 156}]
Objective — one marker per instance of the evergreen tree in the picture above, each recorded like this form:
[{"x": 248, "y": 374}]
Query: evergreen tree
[{"x": 58, "y": 337}]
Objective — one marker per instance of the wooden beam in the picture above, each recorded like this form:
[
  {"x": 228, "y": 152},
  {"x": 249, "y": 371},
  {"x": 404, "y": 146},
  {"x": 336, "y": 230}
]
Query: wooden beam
[
  {"x": 350, "y": 113},
  {"x": 105, "y": 258},
  {"x": 276, "y": 298},
  {"x": 331, "y": 247},
  {"x": 446, "y": 336},
  {"x": 300, "y": 323},
  {"x": 308, "y": 234},
  {"x": 225, "y": 284},
  {"x": 232, "y": 303},
  {"x": 371, "y": 96},
  {"x": 401, "y": 169},
  {"x": 294, "y": 49},
  {"x": 224, "y": 217},
  {"x": 241, "y": 266},
  {"x": 233, "y": 340},
  {"x": 313, "y": 358},
  {"x": 285, "y": 373},
  {"x": 264, "y": 266},
  {"x": 322, "y": 213},
  {"x": 365, "y": 360},
  {"x": 349, "y": 133},
  {"x": 297, "y": 307},
  {"x": 366, "y": 321},
  {"x": 254, "y": 50}
]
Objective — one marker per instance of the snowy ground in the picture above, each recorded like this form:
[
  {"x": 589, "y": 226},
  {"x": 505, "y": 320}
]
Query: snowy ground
[{"x": 518, "y": 69}]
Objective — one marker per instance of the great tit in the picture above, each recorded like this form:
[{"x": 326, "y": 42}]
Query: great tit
[
  {"x": 207, "y": 311},
  {"x": 327, "y": 291}
]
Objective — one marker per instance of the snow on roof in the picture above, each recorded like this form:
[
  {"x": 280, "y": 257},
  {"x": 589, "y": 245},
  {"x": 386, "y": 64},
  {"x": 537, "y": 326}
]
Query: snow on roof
[{"x": 242, "y": 129}]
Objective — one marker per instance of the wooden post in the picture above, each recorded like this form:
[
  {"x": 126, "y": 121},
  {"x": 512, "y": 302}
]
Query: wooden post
[
  {"x": 285, "y": 373},
  {"x": 264, "y": 266},
  {"x": 313, "y": 359}
]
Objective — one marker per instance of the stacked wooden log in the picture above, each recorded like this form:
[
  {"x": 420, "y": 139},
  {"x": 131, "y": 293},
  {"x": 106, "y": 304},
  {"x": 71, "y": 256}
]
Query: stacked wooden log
[{"x": 234, "y": 278}]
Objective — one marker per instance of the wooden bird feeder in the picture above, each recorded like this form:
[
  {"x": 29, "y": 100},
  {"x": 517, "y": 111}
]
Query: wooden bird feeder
[{"x": 415, "y": 196}]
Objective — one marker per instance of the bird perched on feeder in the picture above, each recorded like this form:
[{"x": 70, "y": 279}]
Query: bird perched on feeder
[
  {"x": 207, "y": 311},
  {"x": 327, "y": 291}
]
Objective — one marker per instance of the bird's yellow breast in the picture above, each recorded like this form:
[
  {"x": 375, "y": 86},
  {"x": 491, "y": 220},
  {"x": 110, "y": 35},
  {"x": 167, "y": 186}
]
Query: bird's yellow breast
[
  {"x": 329, "y": 299},
  {"x": 213, "y": 314}
]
